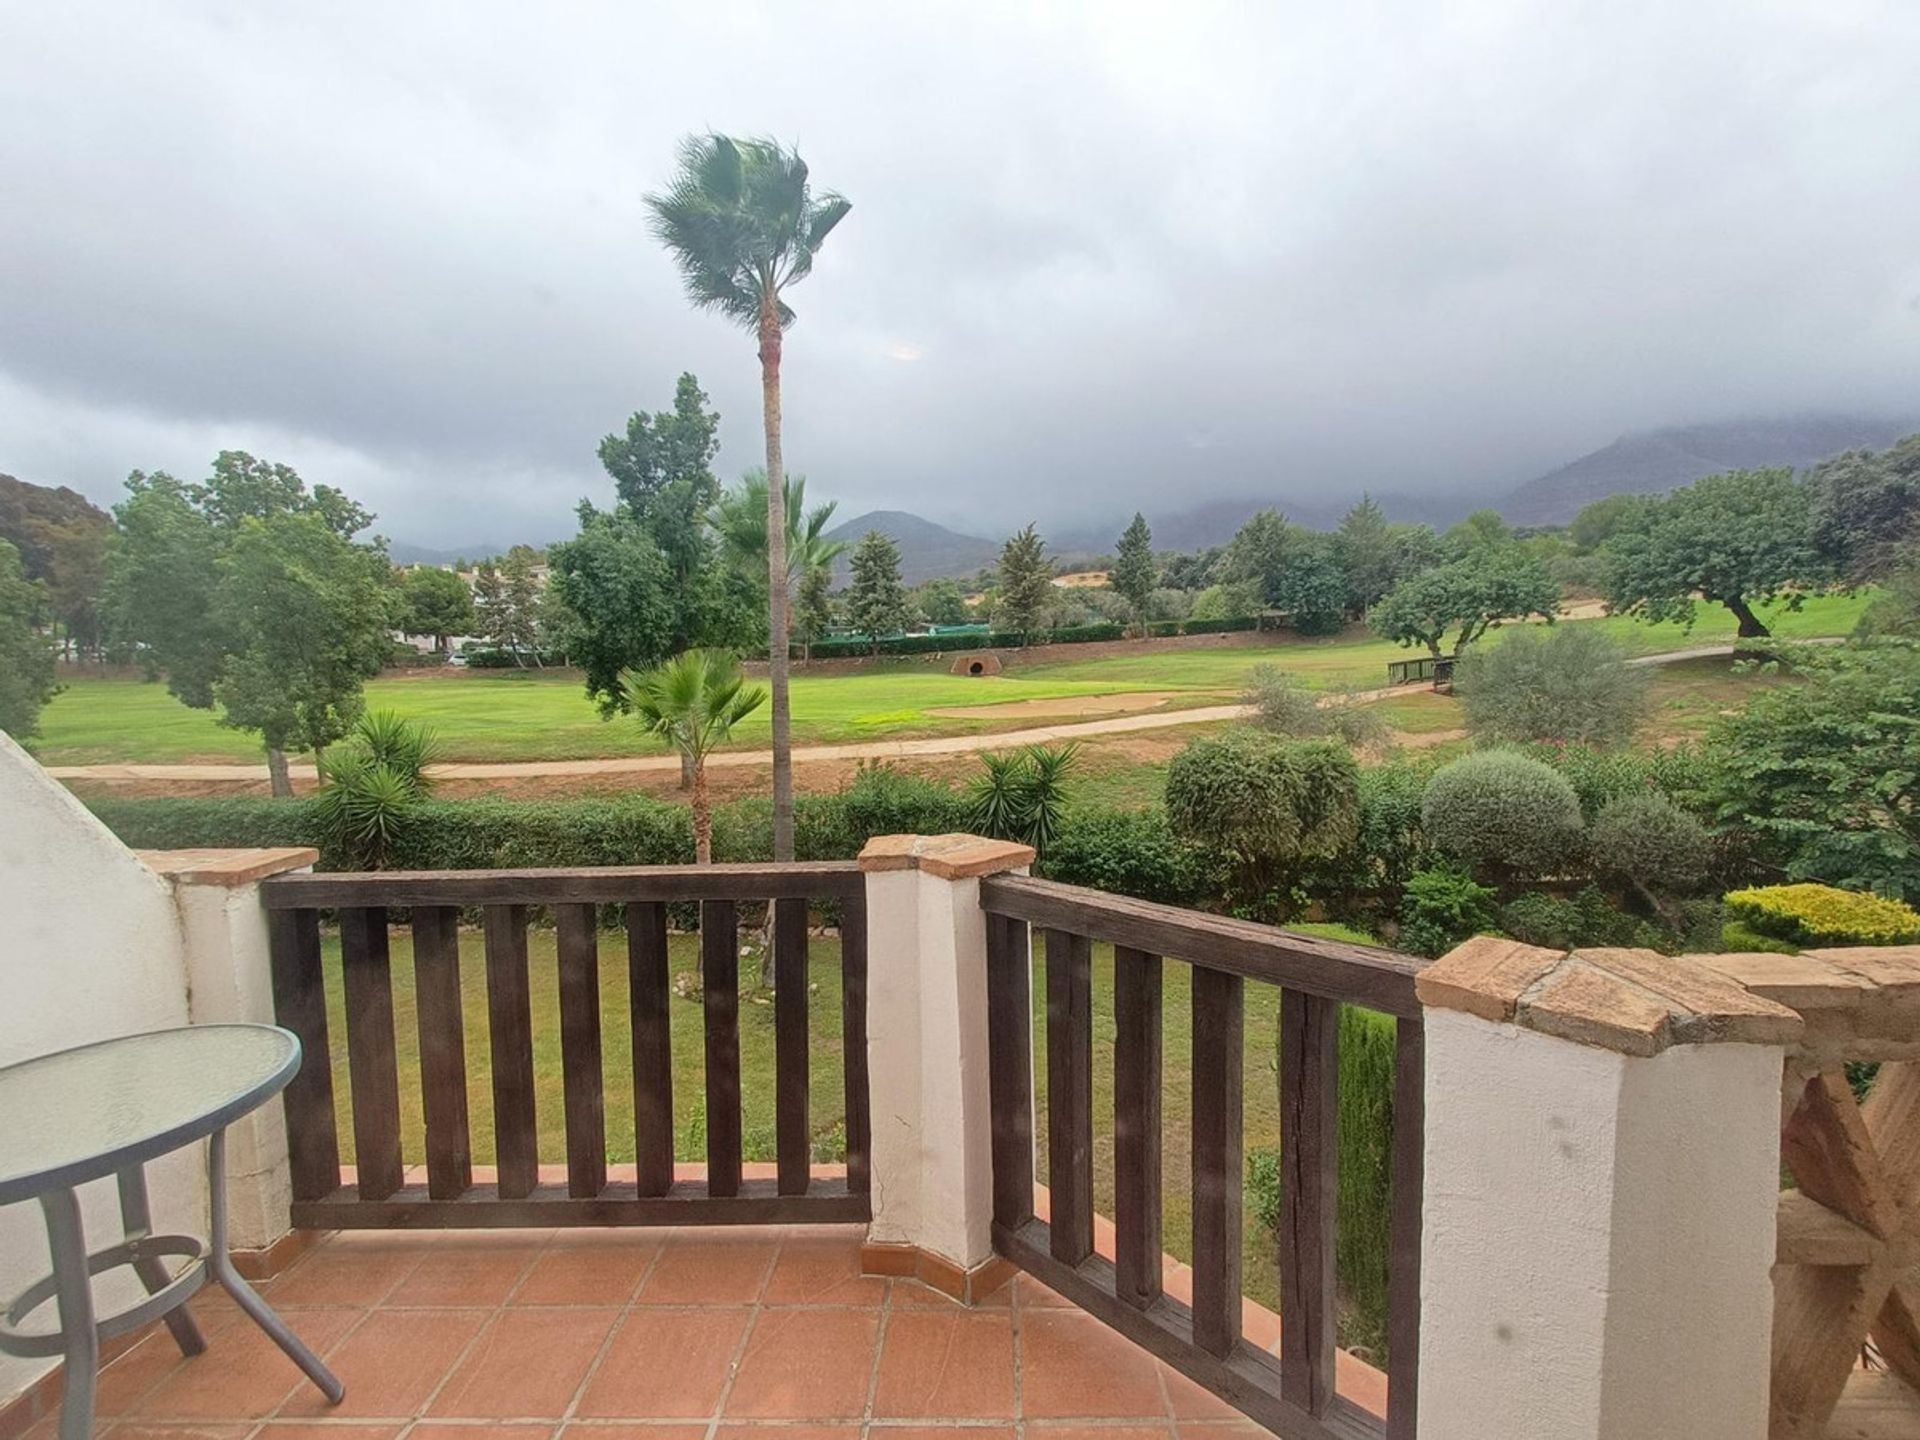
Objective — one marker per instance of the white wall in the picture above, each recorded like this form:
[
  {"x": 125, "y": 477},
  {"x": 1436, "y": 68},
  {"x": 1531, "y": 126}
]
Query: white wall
[{"x": 91, "y": 948}]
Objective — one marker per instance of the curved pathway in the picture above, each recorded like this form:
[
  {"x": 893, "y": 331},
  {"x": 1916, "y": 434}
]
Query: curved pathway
[{"x": 802, "y": 755}]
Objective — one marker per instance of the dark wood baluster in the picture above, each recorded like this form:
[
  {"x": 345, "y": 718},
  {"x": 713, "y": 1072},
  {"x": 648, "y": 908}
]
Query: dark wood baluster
[
  {"x": 576, "y": 938},
  {"x": 300, "y": 1005},
  {"x": 516, "y": 1136},
  {"x": 1403, "y": 1247},
  {"x": 1219, "y": 1044},
  {"x": 1136, "y": 1125},
  {"x": 1309, "y": 1158},
  {"x": 443, "y": 1050},
  {"x": 792, "y": 1107},
  {"x": 720, "y": 990},
  {"x": 1070, "y": 1094},
  {"x": 371, "y": 1062},
  {"x": 1010, "y": 1069},
  {"x": 648, "y": 1000},
  {"x": 853, "y": 1041}
]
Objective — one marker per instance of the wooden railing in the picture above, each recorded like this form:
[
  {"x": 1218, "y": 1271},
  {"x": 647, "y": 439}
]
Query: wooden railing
[
  {"x": 381, "y": 1194},
  {"x": 1293, "y": 1393}
]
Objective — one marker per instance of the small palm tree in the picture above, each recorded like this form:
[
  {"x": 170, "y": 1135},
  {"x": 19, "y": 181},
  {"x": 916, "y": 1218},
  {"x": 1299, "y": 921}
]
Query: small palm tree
[
  {"x": 739, "y": 517},
  {"x": 743, "y": 224},
  {"x": 694, "y": 700}
]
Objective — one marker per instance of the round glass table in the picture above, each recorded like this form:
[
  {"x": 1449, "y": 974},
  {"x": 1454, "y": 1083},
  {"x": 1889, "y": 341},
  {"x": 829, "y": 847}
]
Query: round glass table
[{"x": 107, "y": 1109}]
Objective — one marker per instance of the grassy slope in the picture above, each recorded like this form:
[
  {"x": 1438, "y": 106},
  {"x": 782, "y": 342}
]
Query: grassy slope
[{"x": 498, "y": 716}]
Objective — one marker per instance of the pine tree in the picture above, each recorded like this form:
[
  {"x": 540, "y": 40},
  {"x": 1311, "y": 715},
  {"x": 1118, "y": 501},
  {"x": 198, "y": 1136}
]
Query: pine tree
[
  {"x": 1134, "y": 573},
  {"x": 1365, "y": 545},
  {"x": 1026, "y": 583},
  {"x": 876, "y": 600}
]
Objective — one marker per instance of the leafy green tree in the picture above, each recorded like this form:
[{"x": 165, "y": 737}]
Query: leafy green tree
[
  {"x": 1026, "y": 584},
  {"x": 876, "y": 600},
  {"x": 26, "y": 657},
  {"x": 160, "y": 584},
  {"x": 76, "y": 583},
  {"x": 1737, "y": 540},
  {"x": 1826, "y": 773},
  {"x": 1226, "y": 602},
  {"x": 618, "y": 585},
  {"x": 1895, "y": 612},
  {"x": 942, "y": 601},
  {"x": 1266, "y": 806},
  {"x": 1567, "y": 683},
  {"x": 1598, "y": 522},
  {"x": 693, "y": 702},
  {"x": 435, "y": 602},
  {"x": 1134, "y": 574},
  {"x": 1866, "y": 509},
  {"x": 1257, "y": 554},
  {"x": 1313, "y": 587},
  {"x": 303, "y": 617},
  {"x": 1191, "y": 570},
  {"x": 813, "y": 608},
  {"x": 1469, "y": 596},
  {"x": 1416, "y": 548},
  {"x": 1483, "y": 529},
  {"x": 242, "y": 488},
  {"x": 1285, "y": 707},
  {"x": 1364, "y": 547},
  {"x": 743, "y": 224}
]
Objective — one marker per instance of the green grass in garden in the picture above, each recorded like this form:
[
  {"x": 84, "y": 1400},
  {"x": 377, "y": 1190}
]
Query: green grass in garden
[{"x": 504, "y": 715}]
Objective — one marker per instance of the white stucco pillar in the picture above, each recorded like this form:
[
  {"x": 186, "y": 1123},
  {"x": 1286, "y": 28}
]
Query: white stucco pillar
[
  {"x": 932, "y": 1163},
  {"x": 1602, "y": 1178},
  {"x": 217, "y": 894}
]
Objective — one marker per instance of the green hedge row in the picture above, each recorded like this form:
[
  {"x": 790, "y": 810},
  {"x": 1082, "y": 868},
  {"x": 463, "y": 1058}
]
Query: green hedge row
[{"x": 841, "y": 646}]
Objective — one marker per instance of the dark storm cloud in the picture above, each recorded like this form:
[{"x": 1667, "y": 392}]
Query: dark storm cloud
[{"x": 1100, "y": 256}]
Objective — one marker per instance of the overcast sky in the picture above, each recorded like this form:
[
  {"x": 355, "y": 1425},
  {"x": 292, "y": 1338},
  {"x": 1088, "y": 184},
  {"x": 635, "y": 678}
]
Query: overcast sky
[{"x": 1099, "y": 255}]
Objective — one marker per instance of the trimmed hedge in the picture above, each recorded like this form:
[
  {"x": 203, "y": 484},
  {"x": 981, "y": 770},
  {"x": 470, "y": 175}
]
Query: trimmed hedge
[
  {"x": 839, "y": 647},
  {"x": 1822, "y": 915}
]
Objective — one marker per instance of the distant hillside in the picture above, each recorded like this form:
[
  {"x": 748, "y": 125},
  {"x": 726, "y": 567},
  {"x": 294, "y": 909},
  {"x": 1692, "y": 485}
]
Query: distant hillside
[
  {"x": 403, "y": 553},
  {"x": 1657, "y": 460},
  {"x": 927, "y": 550},
  {"x": 1213, "y": 522}
]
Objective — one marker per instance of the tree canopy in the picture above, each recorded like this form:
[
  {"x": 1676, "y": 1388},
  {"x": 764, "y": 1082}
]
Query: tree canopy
[
  {"x": 1257, "y": 554},
  {"x": 617, "y": 583},
  {"x": 435, "y": 603},
  {"x": 1736, "y": 539},
  {"x": 1365, "y": 548},
  {"x": 1026, "y": 583},
  {"x": 1866, "y": 509},
  {"x": 26, "y": 659},
  {"x": 1134, "y": 574},
  {"x": 1468, "y": 596},
  {"x": 876, "y": 600},
  {"x": 1568, "y": 683}
]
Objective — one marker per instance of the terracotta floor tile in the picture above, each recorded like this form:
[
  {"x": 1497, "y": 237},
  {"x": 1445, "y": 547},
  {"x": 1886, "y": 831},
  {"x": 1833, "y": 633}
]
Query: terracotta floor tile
[
  {"x": 1031, "y": 1294},
  {"x": 912, "y": 1295},
  {"x": 301, "y": 1430},
  {"x": 666, "y": 1364},
  {"x": 1073, "y": 1366},
  {"x": 336, "y": 1274},
  {"x": 787, "y": 1432},
  {"x": 945, "y": 1432},
  {"x": 603, "y": 1430},
  {"x": 127, "y": 1377},
  {"x": 715, "y": 1269},
  {"x": 210, "y": 1430},
  {"x": 526, "y": 1364},
  {"x": 589, "y": 1267},
  {"x": 243, "y": 1375},
  {"x": 1242, "y": 1429},
  {"x": 806, "y": 1365},
  {"x": 822, "y": 1271},
  {"x": 456, "y": 1430},
  {"x": 1189, "y": 1401},
  {"x": 946, "y": 1364},
  {"x": 463, "y": 1271},
  {"x": 392, "y": 1363}
]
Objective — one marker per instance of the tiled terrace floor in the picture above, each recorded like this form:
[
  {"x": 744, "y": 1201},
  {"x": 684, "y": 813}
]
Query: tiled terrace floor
[{"x": 747, "y": 1334}]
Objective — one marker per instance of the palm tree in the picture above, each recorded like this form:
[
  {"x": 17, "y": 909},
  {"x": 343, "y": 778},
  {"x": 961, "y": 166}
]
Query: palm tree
[
  {"x": 694, "y": 700},
  {"x": 739, "y": 517},
  {"x": 743, "y": 224}
]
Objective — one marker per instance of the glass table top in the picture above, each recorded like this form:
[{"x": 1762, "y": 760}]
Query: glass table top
[{"x": 68, "y": 1116}]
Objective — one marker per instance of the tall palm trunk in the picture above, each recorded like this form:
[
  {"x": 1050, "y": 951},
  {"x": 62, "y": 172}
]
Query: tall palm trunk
[
  {"x": 777, "y": 582},
  {"x": 702, "y": 815}
]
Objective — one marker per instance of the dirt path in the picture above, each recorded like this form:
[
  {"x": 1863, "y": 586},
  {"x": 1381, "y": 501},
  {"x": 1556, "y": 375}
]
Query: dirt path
[{"x": 139, "y": 774}]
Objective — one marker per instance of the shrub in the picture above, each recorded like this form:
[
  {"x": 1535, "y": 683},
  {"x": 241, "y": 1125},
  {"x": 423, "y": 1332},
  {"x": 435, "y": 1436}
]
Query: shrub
[
  {"x": 1129, "y": 852},
  {"x": 1590, "y": 918},
  {"x": 1736, "y": 938},
  {"x": 886, "y": 801},
  {"x": 1651, "y": 843},
  {"x": 373, "y": 785},
  {"x": 1822, "y": 915},
  {"x": 1442, "y": 907},
  {"x": 1266, "y": 806},
  {"x": 1285, "y": 707},
  {"x": 1502, "y": 811},
  {"x": 1601, "y": 776},
  {"x": 1561, "y": 682}
]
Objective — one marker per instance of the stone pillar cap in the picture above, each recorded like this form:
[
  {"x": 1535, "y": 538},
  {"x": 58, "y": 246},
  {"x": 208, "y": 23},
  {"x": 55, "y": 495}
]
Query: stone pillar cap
[
  {"x": 231, "y": 868},
  {"x": 950, "y": 857},
  {"x": 1633, "y": 1002}
]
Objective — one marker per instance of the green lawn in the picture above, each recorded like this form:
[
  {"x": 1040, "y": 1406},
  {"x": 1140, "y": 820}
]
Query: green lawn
[{"x": 494, "y": 715}]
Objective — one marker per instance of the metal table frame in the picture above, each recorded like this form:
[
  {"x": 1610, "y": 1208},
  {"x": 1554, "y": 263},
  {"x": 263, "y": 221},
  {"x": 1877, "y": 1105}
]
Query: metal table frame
[{"x": 71, "y": 1283}]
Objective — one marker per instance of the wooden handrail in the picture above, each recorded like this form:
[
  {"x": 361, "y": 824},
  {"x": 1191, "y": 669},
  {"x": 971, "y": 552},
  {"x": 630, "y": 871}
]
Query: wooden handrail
[{"x": 603, "y": 885}]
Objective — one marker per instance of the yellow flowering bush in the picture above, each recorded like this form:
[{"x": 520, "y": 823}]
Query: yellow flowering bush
[{"x": 1822, "y": 915}]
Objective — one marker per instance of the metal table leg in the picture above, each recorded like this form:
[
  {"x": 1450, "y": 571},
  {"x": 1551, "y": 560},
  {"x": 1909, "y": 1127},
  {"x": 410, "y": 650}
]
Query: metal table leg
[
  {"x": 136, "y": 1218},
  {"x": 67, "y": 1241},
  {"x": 243, "y": 1294}
]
